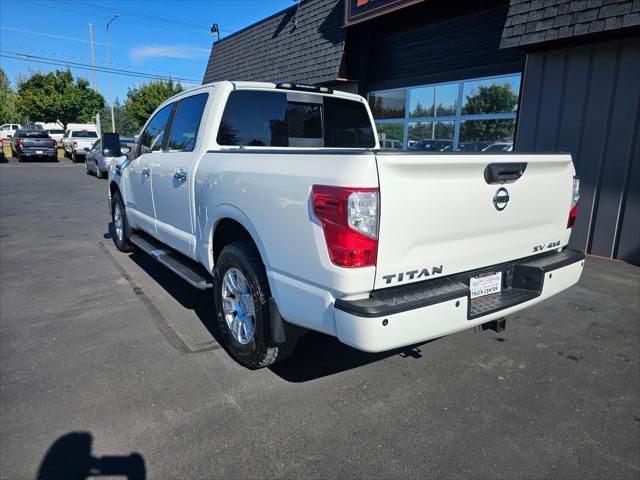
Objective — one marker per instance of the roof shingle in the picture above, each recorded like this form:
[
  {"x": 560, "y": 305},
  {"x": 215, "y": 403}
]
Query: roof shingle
[
  {"x": 304, "y": 46},
  {"x": 531, "y": 22}
]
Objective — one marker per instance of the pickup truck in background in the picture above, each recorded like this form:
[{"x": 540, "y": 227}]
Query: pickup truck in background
[
  {"x": 33, "y": 144},
  {"x": 57, "y": 134},
  {"x": 279, "y": 198},
  {"x": 8, "y": 130},
  {"x": 77, "y": 143}
]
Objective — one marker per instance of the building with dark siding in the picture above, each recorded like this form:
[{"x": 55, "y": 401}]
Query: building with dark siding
[{"x": 528, "y": 75}]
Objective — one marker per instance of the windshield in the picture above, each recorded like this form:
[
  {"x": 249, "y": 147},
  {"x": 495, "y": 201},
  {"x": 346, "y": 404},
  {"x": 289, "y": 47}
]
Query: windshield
[
  {"x": 32, "y": 134},
  {"x": 84, "y": 134}
]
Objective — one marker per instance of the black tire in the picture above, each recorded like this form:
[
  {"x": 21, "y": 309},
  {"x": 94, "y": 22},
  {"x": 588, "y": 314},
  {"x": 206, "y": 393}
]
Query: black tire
[
  {"x": 99, "y": 174},
  {"x": 86, "y": 170},
  {"x": 122, "y": 242},
  {"x": 73, "y": 157},
  {"x": 261, "y": 351}
]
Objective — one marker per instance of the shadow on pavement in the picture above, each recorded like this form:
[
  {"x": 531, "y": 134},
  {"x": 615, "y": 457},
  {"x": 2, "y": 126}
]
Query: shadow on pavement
[
  {"x": 316, "y": 355},
  {"x": 70, "y": 458}
]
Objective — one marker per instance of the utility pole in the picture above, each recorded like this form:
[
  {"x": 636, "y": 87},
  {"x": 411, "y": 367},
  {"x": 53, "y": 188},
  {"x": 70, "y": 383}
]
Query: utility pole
[
  {"x": 95, "y": 78},
  {"x": 113, "y": 120}
]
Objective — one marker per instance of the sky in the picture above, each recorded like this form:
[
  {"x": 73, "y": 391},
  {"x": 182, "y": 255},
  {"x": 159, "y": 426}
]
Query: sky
[{"x": 150, "y": 37}]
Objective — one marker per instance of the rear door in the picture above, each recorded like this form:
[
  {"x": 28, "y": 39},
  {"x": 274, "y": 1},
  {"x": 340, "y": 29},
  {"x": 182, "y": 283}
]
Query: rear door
[
  {"x": 138, "y": 195},
  {"x": 447, "y": 213},
  {"x": 172, "y": 175}
]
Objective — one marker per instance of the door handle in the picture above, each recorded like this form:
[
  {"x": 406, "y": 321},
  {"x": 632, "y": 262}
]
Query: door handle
[
  {"x": 180, "y": 174},
  {"x": 145, "y": 171}
]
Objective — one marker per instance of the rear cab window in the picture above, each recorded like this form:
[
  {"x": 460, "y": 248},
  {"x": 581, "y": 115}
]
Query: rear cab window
[
  {"x": 32, "y": 134},
  {"x": 84, "y": 134},
  {"x": 259, "y": 118}
]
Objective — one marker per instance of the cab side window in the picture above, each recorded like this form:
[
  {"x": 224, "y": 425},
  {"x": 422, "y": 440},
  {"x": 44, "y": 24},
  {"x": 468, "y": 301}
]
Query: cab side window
[
  {"x": 186, "y": 123},
  {"x": 152, "y": 137}
]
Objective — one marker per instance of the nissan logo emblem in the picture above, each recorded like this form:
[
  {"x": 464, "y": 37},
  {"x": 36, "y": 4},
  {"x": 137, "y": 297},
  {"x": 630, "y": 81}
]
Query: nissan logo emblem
[{"x": 501, "y": 199}]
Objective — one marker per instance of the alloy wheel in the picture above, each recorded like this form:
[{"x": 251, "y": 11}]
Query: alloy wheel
[{"x": 239, "y": 309}]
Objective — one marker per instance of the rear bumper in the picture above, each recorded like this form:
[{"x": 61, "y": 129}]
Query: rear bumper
[
  {"x": 46, "y": 152},
  {"x": 432, "y": 309}
]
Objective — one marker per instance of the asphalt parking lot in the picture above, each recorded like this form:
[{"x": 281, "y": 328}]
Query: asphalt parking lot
[{"x": 106, "y": 358}]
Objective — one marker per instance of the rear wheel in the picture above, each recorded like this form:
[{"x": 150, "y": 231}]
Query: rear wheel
[
  {"x": 98, "y": 171},
  {"x": 121, "y": 228},
  {"x": 73, "y": 157},
  {"x": 242, "y": 306}
]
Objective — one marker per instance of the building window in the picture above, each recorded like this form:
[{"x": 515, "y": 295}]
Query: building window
[{"x": 472, "y": 115}]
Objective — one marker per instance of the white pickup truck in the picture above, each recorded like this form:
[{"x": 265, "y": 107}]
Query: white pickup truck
[
  {"x": 77, "y": 142},
  {"x": 279, "y": 198}
]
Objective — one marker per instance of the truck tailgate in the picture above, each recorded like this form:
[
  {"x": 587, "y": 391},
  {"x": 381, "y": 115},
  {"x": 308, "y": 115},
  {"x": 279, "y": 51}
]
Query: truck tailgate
[{"x": 438, "y": 215}]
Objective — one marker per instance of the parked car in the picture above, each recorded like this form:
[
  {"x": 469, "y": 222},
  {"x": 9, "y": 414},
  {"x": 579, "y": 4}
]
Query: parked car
[
  {"x": 473, "y": 146},
  {"x": 2, "y": 157},
  {"x": 279, "y": 198},
  {"x": 57, "y": 134},
  {"x": 433, "y": 145},
  {"x": 30, "y": 144},
  {"x": 8, "y": 130},
  {"x": 387, "y": 144},
  {"x": 499, "y": 147},
  {"x": 98, "y": 163},
  {"x": 77, "y": 143}
]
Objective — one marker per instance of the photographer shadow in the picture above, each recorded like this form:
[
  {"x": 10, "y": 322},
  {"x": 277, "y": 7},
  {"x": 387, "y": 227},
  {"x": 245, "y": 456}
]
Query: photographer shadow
[{"x": 70, "y": 458}]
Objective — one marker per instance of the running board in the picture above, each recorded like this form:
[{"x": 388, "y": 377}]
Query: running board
[{"x": 190, "y": 271}]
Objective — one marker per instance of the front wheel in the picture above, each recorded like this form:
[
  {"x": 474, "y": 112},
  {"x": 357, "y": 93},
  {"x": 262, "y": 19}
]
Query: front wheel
[
  {"x": 242, "y": 306},
  {"x": 122, "y": 230}
]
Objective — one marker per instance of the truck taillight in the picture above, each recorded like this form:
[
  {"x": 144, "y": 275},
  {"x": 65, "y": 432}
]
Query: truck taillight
[
  {"x": 20, "y": 142},
  {"x": 55, "y": 144},
  {"x": 573, "y": 213},
  {"x": 75, "y": 144},
  {"x": 349, "y": 219}
]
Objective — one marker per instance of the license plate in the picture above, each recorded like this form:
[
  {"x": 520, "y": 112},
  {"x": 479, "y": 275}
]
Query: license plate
[
  {"x": 485, "y": 284},
  {"x": 39, "y": 152}
]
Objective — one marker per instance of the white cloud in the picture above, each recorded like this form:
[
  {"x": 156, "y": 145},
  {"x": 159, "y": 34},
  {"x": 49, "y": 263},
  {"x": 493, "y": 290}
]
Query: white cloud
[{"x": 143, "y": 52}]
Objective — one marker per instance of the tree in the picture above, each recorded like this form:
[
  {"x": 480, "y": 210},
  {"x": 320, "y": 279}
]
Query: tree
[
  {"x": 143, "y": 100},
  {"x": 494, "y": 98},
  {"x": 8, "y": 113},
  {"x": 124, "y": 124},
  {"x": 55, "y": 96}
]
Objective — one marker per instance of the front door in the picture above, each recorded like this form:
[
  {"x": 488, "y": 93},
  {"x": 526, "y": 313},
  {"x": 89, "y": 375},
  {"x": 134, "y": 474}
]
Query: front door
[
  {"x": 138, "y": 195},
  {"x": 173, "y": 176}
]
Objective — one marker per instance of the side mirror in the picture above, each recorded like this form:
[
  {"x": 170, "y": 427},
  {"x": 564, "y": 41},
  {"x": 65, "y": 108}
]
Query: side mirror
[{"x": 111, "y": 145}]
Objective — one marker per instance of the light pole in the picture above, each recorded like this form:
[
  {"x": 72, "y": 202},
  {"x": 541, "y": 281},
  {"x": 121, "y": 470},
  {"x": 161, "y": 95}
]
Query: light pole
[
  {"x": 95, "y": 78},
  {"x": 113, "y": 120}
]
